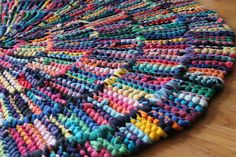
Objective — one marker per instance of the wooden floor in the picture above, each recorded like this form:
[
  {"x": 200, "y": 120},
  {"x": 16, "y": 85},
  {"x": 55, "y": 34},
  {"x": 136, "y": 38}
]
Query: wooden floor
[{"x": 215, "y": 134}]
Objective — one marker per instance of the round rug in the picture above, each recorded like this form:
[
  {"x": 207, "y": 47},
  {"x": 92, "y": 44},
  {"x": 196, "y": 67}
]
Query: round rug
[{"x": 104, "y": 78}]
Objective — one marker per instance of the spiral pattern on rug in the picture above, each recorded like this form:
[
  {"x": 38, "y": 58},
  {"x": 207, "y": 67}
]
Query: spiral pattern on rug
[{"x": 102, "y": 78}]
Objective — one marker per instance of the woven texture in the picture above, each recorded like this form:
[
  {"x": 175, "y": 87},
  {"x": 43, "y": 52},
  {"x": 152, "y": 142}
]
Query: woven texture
[{"x": 103, "y": 78}]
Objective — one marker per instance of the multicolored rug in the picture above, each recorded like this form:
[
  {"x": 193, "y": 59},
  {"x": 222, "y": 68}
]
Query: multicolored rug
[{"x": 103, "y": 78}]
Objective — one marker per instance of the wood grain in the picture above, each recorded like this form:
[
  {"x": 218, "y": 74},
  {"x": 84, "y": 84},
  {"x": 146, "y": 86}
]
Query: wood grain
[{"x": 214, "y": 135}]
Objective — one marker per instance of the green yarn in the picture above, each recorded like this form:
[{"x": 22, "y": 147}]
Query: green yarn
[
  {"x": 96, "y": 145},
  {"x": 101, "y": 131}
]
